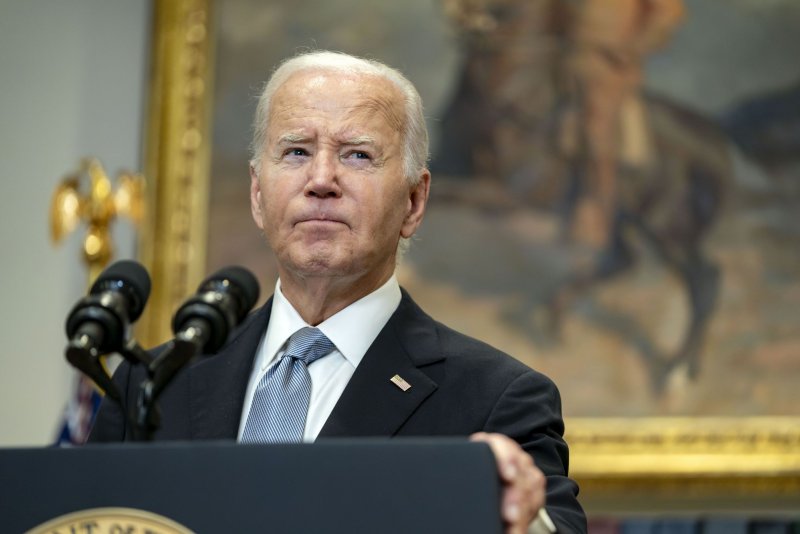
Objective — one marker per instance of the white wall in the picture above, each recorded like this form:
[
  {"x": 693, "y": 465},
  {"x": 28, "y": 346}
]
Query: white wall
[{"x": 72, "y": 84}]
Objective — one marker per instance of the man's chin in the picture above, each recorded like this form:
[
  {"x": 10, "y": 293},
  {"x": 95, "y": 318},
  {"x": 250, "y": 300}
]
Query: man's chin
[{"x": 318, "y": 261}]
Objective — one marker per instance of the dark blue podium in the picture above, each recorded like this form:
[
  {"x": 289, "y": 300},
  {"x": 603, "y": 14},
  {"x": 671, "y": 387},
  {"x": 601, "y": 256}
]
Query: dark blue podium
[{"x": 335, "y": 486}]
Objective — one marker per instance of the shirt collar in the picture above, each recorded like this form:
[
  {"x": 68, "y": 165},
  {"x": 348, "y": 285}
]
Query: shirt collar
[{"x": 352, "y": 329}]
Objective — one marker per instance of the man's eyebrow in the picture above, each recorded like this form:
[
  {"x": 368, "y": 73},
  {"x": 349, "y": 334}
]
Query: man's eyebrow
[
  {"x": 293, "y": 138},
  {"x": 360, "y": 140}
]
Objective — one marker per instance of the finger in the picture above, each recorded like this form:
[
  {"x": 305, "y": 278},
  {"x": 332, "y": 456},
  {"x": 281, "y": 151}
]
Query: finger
[
  {"x": 524, "y": 488},
  {"x": 504, "y": 450}
]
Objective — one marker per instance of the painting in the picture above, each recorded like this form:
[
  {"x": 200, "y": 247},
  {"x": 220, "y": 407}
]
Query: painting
[
  {"x": 594, "y": 212},
  {"x": 614, "y": 202}
]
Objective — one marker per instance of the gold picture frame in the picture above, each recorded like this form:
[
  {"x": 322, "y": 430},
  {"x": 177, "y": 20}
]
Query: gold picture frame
[
  {"x": 622, "y": 464},
  {"x": 173, "y": 239}
]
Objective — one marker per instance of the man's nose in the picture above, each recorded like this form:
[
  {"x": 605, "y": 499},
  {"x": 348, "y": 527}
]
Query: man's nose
[{"x": 323, "y": 179}]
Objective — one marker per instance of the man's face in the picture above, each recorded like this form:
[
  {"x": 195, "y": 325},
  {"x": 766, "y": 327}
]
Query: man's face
[{"x": 329, "y": 192}]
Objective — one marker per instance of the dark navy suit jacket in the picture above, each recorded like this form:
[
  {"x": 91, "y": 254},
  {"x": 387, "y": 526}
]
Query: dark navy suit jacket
[{"x": 458, "y": 386}]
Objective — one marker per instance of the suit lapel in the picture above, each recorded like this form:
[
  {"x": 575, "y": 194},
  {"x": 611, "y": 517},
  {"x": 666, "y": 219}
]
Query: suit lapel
[
  {"x": 373, "y": 405},
  {"x": 217, "y": 384}
]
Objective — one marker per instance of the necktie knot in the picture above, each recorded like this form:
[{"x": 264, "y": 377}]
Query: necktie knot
[{"x": 308, "y": 345}]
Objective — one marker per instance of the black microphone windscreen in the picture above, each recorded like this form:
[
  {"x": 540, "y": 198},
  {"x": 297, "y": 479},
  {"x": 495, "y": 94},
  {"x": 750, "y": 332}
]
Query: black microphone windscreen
[
  {"x": 128, "y": 276},
  {"x": 243, "y": 280}
]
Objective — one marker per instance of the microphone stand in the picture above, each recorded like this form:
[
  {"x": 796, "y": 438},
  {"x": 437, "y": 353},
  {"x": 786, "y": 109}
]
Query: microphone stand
[
  {"x": 86, "y": 358},
  {"x": 145, "y": 419},
  {"x": 161, "y": 370}
]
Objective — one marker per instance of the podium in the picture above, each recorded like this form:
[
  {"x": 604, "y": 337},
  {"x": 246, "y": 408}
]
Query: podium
[{"x": 335, "y": 486}]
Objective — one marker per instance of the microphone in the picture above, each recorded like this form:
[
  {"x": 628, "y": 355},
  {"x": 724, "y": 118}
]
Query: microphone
[
  {"x": 99, "y": 323},
  {"x": 222, "y": 301},
  {"x": 201, "y": 326}
]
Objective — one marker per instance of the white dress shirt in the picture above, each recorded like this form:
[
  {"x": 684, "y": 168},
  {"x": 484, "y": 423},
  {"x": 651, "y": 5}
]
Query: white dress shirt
[{"x": 352, "y": 330}]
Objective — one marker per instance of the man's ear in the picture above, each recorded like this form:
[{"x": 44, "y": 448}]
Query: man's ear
[
  {"x": 417, "y": 202},
  {"x": 255, "y": 198}
]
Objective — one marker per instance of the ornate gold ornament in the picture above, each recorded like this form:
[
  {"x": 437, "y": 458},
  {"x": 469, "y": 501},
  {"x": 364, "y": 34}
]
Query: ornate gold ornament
[{"x": 87, "y": 196}]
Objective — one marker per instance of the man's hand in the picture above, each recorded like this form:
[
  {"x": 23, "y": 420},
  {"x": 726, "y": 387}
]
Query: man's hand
[{"x": 523, "y": 482}]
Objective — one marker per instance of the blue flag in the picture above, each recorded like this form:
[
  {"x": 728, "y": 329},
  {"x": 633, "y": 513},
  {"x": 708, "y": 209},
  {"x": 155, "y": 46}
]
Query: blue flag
[{"x": 79, "y": 413}]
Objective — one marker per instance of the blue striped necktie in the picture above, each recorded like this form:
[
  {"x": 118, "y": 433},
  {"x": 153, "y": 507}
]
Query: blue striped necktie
[{"x": 280, "y": 404}]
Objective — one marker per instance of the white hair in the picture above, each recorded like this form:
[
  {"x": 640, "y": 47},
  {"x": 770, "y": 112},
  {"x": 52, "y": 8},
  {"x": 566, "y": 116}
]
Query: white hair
[{"x": 414, "y": 133}]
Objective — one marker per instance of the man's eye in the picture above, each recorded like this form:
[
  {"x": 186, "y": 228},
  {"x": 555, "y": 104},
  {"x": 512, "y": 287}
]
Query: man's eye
[
  {"x": 296, "y": 152},
  {"x": 358, "y": 154}
]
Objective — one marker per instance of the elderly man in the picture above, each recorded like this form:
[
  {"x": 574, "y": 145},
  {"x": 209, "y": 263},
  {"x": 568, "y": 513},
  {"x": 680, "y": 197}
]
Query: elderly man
[{"x": 338, "y": 184}]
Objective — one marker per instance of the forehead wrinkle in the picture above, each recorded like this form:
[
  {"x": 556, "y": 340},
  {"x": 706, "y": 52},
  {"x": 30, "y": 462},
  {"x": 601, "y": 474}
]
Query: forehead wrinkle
[
  {"x": 386, "y": 105},
  {"x": 382, "y": 106}
]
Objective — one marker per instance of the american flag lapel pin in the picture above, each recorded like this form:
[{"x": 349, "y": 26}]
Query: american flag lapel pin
[{"x": 400, "y": 382}]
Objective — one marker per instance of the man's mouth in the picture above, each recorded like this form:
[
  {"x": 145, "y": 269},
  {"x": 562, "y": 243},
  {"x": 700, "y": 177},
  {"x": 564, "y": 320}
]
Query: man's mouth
[{"x": 321, "y": 221}]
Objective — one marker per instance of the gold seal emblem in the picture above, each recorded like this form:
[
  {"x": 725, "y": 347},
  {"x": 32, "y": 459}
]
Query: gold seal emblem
[{"x": 111, "y": 520}]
